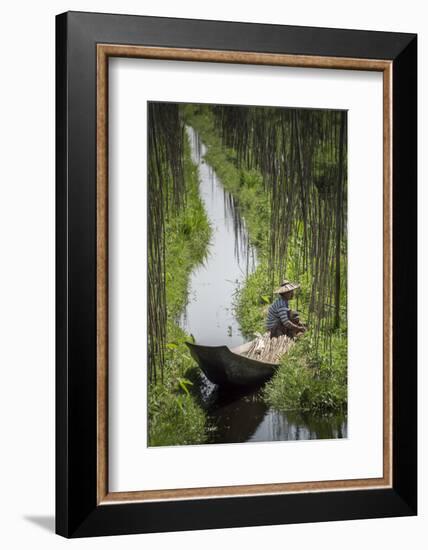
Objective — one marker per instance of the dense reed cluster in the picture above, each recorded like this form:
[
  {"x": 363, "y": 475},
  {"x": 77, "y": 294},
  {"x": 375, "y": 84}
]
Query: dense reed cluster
[
  {"x": 166, "y": 196},
  {"x": 302, "y": 155}
]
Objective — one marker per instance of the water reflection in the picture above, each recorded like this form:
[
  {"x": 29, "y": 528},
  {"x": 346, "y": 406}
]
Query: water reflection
[
  {"x": 209, "y": 313},
  {"x": 238, "y": 416}
]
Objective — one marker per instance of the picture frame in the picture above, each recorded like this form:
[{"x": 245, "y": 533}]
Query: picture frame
[{"x": 84, "y": 44}]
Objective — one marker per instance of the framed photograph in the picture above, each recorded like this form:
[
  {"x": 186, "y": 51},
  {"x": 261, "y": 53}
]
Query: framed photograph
[{"x": 236, "y": 274}]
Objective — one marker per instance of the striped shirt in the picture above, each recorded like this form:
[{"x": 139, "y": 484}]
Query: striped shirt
[{"x": 279, "y": 312}]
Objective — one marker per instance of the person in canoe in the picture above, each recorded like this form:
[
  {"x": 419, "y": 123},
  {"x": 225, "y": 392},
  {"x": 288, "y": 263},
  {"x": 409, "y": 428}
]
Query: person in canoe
[{"x": 281, "y": 319}]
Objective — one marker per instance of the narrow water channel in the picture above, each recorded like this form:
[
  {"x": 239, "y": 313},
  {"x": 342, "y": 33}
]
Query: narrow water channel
[
  {"x": 235, "y": 416},
  {"x": 209, "y": 315}
]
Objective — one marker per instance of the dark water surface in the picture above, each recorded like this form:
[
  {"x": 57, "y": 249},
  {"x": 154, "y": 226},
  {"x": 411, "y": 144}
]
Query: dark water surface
[
  {"x": 238, "y": 416},
  {"x": 235, "y": 416}
]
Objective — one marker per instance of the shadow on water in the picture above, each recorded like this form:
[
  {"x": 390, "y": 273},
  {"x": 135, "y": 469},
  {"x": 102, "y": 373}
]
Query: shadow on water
[
  {"x": 235, "y": 416},
  {"x": 238, "y": 415}
]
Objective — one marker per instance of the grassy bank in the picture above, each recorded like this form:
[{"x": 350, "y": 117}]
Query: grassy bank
[
  {"x": 175, "y": 418},
  {"x": 308, "y": 378}
]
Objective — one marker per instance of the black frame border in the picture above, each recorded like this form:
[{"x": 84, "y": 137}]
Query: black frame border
[{"x": 77, "y": 512}]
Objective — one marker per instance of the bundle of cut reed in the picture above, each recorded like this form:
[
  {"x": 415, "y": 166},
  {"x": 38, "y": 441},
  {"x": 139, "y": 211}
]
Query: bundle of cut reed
[{"x": 267, "y": 349}]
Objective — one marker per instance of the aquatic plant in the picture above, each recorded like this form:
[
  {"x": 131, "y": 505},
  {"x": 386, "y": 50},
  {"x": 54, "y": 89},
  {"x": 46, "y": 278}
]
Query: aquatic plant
[{"x": 311, "y": 379}]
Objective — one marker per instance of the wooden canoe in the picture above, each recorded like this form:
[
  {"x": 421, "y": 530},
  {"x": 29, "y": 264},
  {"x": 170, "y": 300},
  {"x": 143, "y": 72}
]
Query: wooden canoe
[{"x": 224, "y": 366}]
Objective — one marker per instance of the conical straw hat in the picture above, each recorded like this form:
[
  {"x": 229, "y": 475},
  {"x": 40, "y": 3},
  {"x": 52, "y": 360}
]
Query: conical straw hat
[{"x": 286, "y": 286}]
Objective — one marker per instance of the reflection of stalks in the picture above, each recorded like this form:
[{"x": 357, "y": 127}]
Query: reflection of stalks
[{"x": 243, "y": 249}]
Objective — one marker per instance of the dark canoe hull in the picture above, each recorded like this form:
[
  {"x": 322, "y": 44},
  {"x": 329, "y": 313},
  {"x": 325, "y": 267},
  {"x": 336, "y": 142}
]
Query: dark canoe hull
[{"x": 224, "y": 367}]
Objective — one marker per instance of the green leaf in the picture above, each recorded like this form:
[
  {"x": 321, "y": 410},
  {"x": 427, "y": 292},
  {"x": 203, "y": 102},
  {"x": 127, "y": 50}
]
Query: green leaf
[
  {"x": 172, "y": 345},
  {"x": 183, "y": 383},
  {"x": 179, "y": 400}
]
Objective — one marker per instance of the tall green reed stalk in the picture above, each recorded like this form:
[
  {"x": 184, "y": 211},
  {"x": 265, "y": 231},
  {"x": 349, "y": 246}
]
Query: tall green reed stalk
[{"x": 166, "y": 195}]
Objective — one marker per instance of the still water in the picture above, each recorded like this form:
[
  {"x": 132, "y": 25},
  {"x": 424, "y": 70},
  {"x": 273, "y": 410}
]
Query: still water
[
  {"x": 235, "y": 416},
  {"x": 209, "y": 315}
]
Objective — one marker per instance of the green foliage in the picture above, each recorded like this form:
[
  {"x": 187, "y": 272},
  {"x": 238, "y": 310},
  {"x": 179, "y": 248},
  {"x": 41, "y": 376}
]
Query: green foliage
[
  {"x": 175, "y": 418},
  {"x": 245, "y": 185},
  {"x": 311, "y": 379},
  {"x": 252, "y": 301},
  {"x": 166, "y": 195},
  {"x": 251, "y": 179}
]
